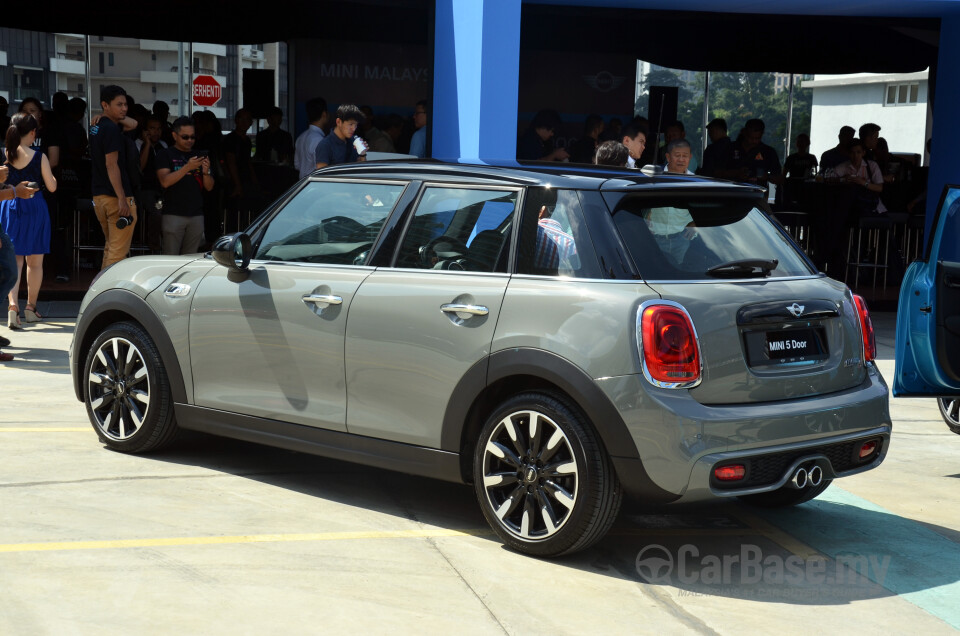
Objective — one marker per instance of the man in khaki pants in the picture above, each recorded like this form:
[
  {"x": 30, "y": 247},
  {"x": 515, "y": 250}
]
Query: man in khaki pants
[{"x": 115, "y": 208}]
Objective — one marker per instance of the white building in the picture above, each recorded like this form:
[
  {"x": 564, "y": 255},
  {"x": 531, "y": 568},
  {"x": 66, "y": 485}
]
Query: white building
[
  {"x": 895, "y": 102},
  {"x": 40, "y": 64}
]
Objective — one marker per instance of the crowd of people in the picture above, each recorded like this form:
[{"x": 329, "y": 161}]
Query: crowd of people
[
  {"x": 746, "y": 158},
  {"x": 874, "y": 180},
  {"x": 185, "y": 179}
]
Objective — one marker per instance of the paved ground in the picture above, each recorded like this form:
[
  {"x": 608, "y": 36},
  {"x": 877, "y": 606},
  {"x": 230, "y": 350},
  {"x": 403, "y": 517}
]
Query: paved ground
[{"x": 217, "y": 537}]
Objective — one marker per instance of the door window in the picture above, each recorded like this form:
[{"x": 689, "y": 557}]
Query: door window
[
  {"x": 553, "y": 238},
  {"x": 329, "y": 222},
  {"x": 460, "y": 229}
]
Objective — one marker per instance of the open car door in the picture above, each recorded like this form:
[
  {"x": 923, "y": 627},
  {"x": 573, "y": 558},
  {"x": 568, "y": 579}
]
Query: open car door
[{"x": 928, "y": 314}]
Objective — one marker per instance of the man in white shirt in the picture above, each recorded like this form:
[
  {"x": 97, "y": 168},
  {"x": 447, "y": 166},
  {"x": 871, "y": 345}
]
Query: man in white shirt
[
  {"x": 634, "y": 137},
  {"x": 305, "y": 150},
  {"x": 678, "y": 156}
]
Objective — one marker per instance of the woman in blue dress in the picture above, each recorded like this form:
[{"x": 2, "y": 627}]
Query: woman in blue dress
[{"x": 26, "y": 221}]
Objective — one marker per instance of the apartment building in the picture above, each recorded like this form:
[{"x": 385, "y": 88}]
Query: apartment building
[{"x": 36, "y": 64}]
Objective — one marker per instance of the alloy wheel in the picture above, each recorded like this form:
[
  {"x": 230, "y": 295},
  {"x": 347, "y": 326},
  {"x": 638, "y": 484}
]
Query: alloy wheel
[
  {"x": 950, "y": 410},
  {"x": 118, "y": 387},
  {"x": 530, "y": 475}
]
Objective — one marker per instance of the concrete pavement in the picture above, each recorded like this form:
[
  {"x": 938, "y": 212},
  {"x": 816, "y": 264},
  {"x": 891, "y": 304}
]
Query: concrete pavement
[{"x": 216, "y": 536}]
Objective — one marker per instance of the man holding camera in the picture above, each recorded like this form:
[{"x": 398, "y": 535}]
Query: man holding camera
[
  {"x": 112, "y": 194},
  {"x": 184, "y": 174}
]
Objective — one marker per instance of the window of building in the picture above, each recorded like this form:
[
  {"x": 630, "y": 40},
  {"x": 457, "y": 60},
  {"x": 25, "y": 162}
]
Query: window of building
[
  {"x": 111, "y": 59},
  {"x": 902, "y": 94},
  {"x": 101, "y": 61}
]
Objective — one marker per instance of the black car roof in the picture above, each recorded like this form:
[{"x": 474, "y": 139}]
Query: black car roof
[{"x": 555, "y": 175}]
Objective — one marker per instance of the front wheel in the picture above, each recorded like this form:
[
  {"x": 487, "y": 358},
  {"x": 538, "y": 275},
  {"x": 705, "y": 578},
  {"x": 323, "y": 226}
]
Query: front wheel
[
  {"x": 543, "y": 479},
  {"x": 127, "y": 391},
  {"x": 950, "y": 410}
]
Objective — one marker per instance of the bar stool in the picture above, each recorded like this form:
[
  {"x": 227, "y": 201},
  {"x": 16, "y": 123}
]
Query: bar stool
[
  {"x": 913, "y": 238},
  {"x": 877, "y": 229},
  {"x": 797, "y": 225},
  {"x": 83, "y": 238}
]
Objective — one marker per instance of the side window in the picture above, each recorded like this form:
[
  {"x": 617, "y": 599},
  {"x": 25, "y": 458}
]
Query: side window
[
  {"x": 461, "y": 229},
  {"x": 553, "y": 236},
  {"x": 329, "y": 222}
]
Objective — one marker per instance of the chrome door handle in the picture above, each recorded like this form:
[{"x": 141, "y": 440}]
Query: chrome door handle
[
  {"x": 323, "y": 299},
  {"x": 457, "y": 308}
]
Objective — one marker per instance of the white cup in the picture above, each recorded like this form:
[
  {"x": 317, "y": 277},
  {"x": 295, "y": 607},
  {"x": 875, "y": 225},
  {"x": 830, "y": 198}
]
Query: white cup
[{"x": 359, "y": 145}]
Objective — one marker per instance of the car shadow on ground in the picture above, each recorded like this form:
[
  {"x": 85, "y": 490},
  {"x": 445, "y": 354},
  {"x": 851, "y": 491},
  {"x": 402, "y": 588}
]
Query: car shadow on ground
[{"x": 724, "y": 549}]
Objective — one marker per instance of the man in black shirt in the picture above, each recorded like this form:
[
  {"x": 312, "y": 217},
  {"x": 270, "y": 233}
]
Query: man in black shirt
[
  {"x": 148, "y": 146},
  {"x": 245, "y": 197},
  {"x": 751, "y": 160},
  {"x": 717, "y": 154},
  {"x": 110, "y": 182},
  {"x": 273, "y": 143},
  {"x": 338, "y": 146},
  {"x": 184, "y": 175}
]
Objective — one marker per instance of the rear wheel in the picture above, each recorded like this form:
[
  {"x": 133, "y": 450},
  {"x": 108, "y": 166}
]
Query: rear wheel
[
  {"x": 127, "y": 391},
  {"x": 950, "y": 410},
  {"x": 785, "y": 496},
  {"x": 543, "y": 479}
]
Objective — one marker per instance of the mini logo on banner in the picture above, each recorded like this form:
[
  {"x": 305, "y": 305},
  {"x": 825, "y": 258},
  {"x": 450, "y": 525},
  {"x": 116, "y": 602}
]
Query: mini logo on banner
[{"x": 604, "y": 81}]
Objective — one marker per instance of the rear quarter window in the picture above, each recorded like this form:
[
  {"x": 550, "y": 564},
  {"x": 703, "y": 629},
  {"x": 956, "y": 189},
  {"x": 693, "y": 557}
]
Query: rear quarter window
[{"x": 681, "y": 237}]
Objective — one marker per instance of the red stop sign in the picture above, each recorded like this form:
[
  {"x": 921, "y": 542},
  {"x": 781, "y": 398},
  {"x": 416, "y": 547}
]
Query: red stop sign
[{"x": 206, "y": 90}]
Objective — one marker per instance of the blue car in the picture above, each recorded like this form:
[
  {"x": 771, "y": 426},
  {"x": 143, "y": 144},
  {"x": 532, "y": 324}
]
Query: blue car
[{"x": 928, "y": 317}]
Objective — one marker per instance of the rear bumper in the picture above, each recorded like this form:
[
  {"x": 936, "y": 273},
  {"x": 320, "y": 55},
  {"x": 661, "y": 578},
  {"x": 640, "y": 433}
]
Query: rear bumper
[
  {"x": 679, "y": 440},
  {"x": 792, "y": 456}
]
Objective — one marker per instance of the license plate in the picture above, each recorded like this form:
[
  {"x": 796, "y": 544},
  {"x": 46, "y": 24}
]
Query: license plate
[
  {"x": 785, "y": 346},
  {"x": 795, "y": 345}
]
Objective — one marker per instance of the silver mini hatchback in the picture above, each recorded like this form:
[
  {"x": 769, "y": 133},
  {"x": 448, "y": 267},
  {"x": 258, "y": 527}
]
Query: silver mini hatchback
[{"x": 557, "y": 338}]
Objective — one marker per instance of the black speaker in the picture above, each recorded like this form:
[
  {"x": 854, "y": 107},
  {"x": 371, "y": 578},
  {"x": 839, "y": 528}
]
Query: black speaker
[
  {"x": 662, "y": 109},
  {"x": 258, "y": 91}
]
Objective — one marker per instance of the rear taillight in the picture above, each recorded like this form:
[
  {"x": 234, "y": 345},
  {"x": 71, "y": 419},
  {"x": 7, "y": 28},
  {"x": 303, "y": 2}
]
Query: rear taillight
[
  {"x": 866, "y": 329},
  {"x": 668, "y": 346}
]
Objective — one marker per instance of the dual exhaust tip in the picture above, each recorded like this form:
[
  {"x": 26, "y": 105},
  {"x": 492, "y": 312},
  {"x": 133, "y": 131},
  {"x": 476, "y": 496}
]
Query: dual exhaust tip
[{"x": 807, "y": 477}]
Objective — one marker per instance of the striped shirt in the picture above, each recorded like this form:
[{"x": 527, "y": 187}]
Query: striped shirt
[{"x": 554, "y": 246}]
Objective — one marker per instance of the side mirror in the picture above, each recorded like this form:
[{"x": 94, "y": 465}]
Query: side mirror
[{"x": 233, "y": 251}]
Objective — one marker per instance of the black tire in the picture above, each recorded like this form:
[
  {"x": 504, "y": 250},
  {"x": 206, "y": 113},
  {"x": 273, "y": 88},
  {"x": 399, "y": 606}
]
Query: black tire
[
  {"x": 127, "y": 392},
  {"x": 785, "y": 496},
  {"x": 950, "y": 411},
  {"x": 560, "y": 472}
]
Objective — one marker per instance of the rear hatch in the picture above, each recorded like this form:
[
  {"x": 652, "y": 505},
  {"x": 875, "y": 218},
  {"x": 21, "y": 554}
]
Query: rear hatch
[
  {"x": 769, "y": 327},
  {"x": 775, "y": 340}
]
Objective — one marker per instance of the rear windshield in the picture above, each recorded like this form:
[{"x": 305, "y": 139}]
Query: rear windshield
[{"x": 684, "y": 237}]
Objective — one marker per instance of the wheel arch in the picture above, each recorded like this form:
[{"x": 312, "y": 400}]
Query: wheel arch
[
  {"x": 513, "y": 371},
  {"x": 118, "y": 305}
]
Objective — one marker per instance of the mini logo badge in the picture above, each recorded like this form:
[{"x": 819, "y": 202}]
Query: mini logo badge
[{"x": 795, "y": 309}]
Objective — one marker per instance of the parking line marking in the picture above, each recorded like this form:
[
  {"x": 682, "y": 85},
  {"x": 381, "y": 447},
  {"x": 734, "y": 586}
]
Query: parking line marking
[
  {"x": 778, "y": 536},
  {"x": 44, "y": 429},
  {"x": 685, "y": 532},
  {"x": 59, "y": 546}
]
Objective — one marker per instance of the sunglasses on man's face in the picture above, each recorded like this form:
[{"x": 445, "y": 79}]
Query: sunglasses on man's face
[{"x": 187, "y": 137}]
